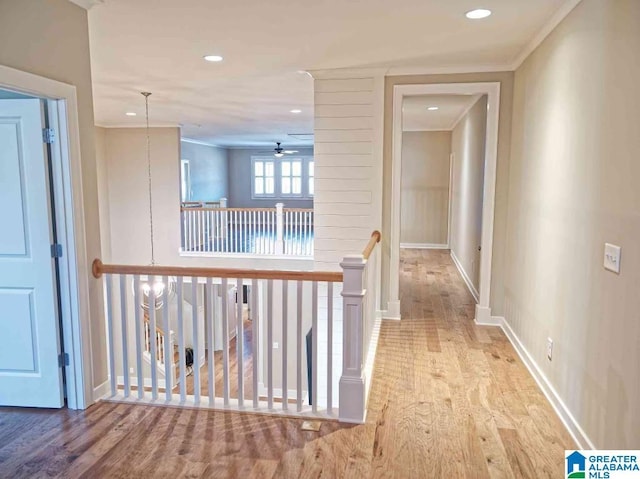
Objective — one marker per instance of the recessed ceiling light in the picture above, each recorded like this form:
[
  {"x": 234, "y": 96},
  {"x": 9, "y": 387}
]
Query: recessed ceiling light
[
  {"x": 213, "y": 58},
  {"x": 433, "y": 108},
  {"x": 296, "y": 111},
  {"x": 130, "y": 113},
  {"x": 478, "y": 13}
]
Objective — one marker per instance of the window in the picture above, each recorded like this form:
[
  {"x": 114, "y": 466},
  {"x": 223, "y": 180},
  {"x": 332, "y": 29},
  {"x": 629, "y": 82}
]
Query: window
[
  {"x": 281, "y": 178},
  {"x": 291, "y": 177},
  {"x": 264, "y": 178},
  {"x": 185, "y": 180}
]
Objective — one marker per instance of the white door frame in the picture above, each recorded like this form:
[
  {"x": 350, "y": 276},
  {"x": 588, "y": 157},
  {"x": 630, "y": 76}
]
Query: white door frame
[
  {"x": 73, "y": 267},
  {"x": 492, "y": 90}
]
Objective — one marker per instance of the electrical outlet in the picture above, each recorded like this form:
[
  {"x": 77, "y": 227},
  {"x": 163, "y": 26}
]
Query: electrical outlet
[
  {"x": 612, "y": 257},
  {"x": 549, "y": 349},
  {"x": 276, "y": 346}
]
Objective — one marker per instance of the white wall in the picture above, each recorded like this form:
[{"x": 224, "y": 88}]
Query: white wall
[
  {"x": 50, "y": 38},
  {"x": 240, "y": 176},
  {"x": 573, "y": 186},
  {"x": 425, "y": 187},
  {"x": 348, "y": 153},
  {"x": 209, "y": 170},
  {"x": 467, "y": 173}
]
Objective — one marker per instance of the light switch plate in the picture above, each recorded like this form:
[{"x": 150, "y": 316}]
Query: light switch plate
[{"x": 612, "y": 257}]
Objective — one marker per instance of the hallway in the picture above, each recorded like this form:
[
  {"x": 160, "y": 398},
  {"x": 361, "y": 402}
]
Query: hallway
[{"x": 449, "y": 399}]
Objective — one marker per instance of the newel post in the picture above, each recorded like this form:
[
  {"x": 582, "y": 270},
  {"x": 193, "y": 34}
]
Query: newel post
[
  {"x": 352, "y": 381},
  {"x": 279, "y": 228}
]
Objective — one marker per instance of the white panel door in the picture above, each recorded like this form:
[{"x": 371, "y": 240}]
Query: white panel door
[{"x": 29, "y": 336}]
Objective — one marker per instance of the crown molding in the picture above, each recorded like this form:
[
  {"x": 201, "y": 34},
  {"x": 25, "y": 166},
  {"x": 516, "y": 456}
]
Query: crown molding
[
  {"x": 426, "y": 70},
  {"x": 565, "y": 9},
  {"x": 467, "y": 109},
  {"x": 200, "y": 142},
  {"x": 347, "y": 73},
  {"x": 87, "y": 4}
]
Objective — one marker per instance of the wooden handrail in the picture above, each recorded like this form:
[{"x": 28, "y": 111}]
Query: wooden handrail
[
  {"x": 375, "y": 239},
  {"x": 201, "y": 208},
  {"x": 98, "y": 269},
  {"x": 298, "y": 210},
  {"x": 147, "y": 320}
]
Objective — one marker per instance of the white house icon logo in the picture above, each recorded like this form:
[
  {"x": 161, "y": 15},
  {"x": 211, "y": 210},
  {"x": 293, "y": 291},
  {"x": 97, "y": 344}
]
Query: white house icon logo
[{"x": 576, "y": 465}]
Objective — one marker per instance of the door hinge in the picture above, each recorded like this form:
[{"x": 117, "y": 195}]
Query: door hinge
[
  {"x": 48, "y": 135},
  {"x": 63, "y": 360},
  {"x": 56, "y": 250}
]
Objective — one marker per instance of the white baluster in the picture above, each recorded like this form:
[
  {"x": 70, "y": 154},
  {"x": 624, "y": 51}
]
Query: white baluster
[
  {"x": 112, "y": 364},
  {"x": 225, "y": 340},
  {"x": 152, "y": 329},
  {"x": 299, "y": 342},
  {"x": 240, "y": 341},
  {"x": 255, "y": 338},
  {"x": 137, "y": 304},
  {"x": 210, "y": 322},
  {"x": 196, "y": 339},
  {"x": 314, "y": 346},
  {"x": 181, "y": 352},
  {"x": 270, "y": 343},
  {"x": 279, "y": 229},
  {"x": 285, "y": 321},
  {"x": 167, "y": 347},
  {"x": 123, "y": 327},
  {"x": 329, "y": 347}
]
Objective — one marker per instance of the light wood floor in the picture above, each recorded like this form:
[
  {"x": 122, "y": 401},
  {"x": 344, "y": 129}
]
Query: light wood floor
[{"x": 448, "y": 400}]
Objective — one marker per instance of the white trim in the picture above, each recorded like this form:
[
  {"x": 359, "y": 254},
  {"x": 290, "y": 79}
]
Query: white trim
[
  {"x": 101, "y": 391},
  {"x": 199, "y": 142},
  {"x": 465, "y": 277},
  {"x": 425, "y": 70},
  {"x": 466, "y": 110},
  {"x": 393, "y": 311},
  {"x": 423, "y": 246},
  {"x": 87, "y": 4},
  {"x": 74, "y": 277},
  {"x": 370, "y": 360},
  {"x": 348, "y": 73},
  {"x": 432, "y": 130},
  {"x": 573, "y": 427},
  {"x": 551, "y": 24},
  {"x": 492, "y": 90}
]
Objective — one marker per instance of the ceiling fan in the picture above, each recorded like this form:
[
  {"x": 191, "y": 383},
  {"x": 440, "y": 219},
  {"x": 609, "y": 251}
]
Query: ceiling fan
[{"x": 279, "y": 152}]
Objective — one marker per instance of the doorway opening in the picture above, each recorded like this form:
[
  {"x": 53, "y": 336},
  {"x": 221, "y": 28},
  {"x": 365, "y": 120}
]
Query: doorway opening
[{"x": 443, "y": 185}]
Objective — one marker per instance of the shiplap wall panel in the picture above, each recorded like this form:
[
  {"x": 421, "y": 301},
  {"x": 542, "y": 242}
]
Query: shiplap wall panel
[
  {"x": 340, "y": 184},
  {"x": 347, "y": 161},
  {"x": 346, "y": 123},
  {"x": 351, "y": 172},
  {"x": 339, "y": 221},
  {"x": 343, "y": 111},
  {"x": 343, "y": 148},
  {"x": 338, "y": 85},
  {"x": 344, "y": 98},
  {"x": 345, "y": 138}
]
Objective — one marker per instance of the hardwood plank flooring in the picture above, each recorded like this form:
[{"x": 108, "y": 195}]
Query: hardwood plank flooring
[{"x": 448, "y": 399}]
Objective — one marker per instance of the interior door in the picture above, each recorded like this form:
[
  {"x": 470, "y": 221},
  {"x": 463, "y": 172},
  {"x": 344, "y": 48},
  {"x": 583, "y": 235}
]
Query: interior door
[{"x": 29, "y": 371}]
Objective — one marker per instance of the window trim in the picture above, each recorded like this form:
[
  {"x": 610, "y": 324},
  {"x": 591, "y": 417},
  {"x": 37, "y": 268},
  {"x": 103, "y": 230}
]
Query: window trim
[{"x": 263, "y": 196}]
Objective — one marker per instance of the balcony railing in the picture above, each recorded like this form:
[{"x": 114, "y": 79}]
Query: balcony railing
[
  {"x": 262, "y": 231},
  {"x": 300, "y": 352}
]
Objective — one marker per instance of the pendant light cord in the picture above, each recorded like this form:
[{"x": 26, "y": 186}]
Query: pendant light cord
[{"x": 146, "y": 102}]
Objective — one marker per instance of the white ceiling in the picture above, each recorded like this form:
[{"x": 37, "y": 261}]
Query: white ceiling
[
  {"x": 157, "y": 45},
  {"x": 417, "y": 117}
]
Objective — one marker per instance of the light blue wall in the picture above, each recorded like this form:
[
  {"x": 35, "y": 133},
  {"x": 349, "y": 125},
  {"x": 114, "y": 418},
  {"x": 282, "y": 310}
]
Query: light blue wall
[{"x": 209, "y": 171}]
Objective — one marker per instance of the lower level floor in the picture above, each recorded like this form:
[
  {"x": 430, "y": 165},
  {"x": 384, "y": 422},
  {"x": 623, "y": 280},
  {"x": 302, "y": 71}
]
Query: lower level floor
[{"x": 448, "y": 399}]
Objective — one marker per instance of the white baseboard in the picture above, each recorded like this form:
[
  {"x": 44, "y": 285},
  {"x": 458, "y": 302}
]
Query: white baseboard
[
  {"x": 483, "y": 316},
  {"x": 558, "y": 405},
  {"x": 370, "y": 359},
  {"x": 101, "y": 391},
  {"x": 277, "y": 392},
  {"x": 465, "y": 277},
  {"x": 393, "y": 310},
  {"x": 133, "y": 381},
  {"x": 423, "y": 246}
]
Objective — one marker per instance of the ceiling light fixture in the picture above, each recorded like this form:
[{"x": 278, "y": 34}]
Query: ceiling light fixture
[
  {"x": 296, "y": 111},
  {"x": 130, "y": 113},
  {"x": 213, "y": 58},
  {"x": 433, "y": 108},
  {"x": 478, "y": 13}
]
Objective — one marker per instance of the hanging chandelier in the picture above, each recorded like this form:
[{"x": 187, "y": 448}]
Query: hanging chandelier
[{"x": 161, "y": 292}]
